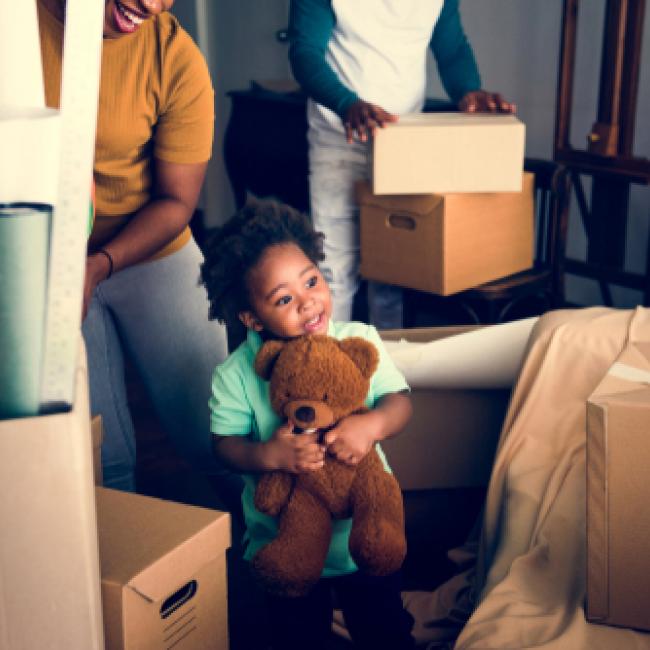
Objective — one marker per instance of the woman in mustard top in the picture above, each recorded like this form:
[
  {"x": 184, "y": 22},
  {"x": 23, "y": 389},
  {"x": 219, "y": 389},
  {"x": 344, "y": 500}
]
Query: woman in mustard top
[{"x": 154, "y": 140}]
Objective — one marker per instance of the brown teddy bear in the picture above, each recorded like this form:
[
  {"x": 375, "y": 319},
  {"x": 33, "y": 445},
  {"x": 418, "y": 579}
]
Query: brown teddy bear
[{"x": 315, "y": 382}]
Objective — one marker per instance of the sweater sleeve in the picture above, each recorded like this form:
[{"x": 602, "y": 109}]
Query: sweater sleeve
[
  {"x": 454, "y": 56},
  {"x": 310, "y": 27}
]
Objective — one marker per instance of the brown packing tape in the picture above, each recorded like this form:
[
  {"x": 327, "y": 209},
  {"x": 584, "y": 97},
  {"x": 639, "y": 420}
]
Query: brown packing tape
[{"x": 597, "y": 551}]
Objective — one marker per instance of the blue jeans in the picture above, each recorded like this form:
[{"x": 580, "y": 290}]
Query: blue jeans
[
  {"x": 334, "y": 168},
  {"x": 157, "y": 312}
]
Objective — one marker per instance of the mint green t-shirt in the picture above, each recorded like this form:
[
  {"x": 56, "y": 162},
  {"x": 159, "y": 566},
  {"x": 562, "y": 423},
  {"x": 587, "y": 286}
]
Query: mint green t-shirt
[{"x": 240, "y": 406}]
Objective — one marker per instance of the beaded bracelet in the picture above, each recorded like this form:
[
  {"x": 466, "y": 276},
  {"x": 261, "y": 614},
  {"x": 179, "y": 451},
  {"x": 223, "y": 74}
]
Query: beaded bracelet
[{"x": 103, "y": 251}]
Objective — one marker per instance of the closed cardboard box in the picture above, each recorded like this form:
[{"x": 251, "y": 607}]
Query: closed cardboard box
[
  {"x": 451, "y": 438},
  {"x": 445, "y": 243},
  {"x": 618, "y": 489},
  {"x": 163, "y": 573},
  {"x": 440, "y": 153}
]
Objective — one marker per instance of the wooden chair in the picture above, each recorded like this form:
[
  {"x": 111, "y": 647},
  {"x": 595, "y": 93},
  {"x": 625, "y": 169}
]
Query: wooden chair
[{"x": 495, "y": 301}]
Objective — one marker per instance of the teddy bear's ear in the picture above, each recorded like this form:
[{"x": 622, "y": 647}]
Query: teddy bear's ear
[
  {"x": 266, "y": 357},
  {"x": 363, "y": 353}
]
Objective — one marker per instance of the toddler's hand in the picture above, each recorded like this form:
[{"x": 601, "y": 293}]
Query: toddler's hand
[
  {"x": 363, "y": 118},
  {"x": 483, "y": 101},
  {"x": 353, "y": 438},
  {"x": 293, "y": 452}
]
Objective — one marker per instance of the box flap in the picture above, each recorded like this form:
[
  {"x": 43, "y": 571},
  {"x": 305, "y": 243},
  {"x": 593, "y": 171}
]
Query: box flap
[
  {"x": 153, "y": 546},
  {"x": 419, "y": 204},
  {"x": 631, "y": 370}
]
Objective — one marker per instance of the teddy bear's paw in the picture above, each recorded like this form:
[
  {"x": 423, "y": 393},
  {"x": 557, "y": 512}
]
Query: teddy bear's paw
[{"x": 281, "y": 576}]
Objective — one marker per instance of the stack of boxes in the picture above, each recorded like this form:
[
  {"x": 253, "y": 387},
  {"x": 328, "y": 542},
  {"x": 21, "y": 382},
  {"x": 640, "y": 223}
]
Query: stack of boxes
[{"x": 449, "y": 206}]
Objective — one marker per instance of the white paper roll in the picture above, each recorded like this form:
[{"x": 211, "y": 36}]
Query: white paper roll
[
  {"x": 30, "y": 155},
  {"x": 489, "y": 357},
  {"x": 21, "y": 72}
]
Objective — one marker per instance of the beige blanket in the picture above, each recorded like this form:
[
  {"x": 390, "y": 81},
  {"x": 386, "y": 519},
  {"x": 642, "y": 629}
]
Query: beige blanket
[{"x": 529, "y": 574}]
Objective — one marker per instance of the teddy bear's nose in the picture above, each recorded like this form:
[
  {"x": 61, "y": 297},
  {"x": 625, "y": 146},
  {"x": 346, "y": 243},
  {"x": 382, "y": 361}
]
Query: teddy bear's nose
[{"x": 305, "y": 414}]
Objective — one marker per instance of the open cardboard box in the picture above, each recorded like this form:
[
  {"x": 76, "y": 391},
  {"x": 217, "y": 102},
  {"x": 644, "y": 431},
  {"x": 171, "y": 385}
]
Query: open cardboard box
[
  {"x": 49, "y": 566},
  {"x": 451, "y": 439},
  {"x": 163, "y": 573}
]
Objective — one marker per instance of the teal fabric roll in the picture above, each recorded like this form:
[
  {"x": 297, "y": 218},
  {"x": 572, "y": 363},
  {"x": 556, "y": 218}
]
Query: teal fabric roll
[{"x": 24, "y": 245}]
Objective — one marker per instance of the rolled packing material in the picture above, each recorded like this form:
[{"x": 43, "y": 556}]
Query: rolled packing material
[{"x": 24, "y": 242}]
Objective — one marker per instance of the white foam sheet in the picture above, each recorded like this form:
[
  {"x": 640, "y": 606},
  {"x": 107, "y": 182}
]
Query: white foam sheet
[
  {"x": 29, "y": 154},
  {"x": 490, "y": 357},
  {"x": 21, "y": 75}
]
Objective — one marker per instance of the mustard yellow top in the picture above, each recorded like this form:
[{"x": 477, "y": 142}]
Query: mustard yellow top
[{"x": 155, "y": 101}]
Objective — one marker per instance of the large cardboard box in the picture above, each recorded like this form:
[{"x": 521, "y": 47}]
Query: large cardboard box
[
  {"x": 445, "y": 243},
  {"x": 451, "y": 439},
  {"x": 49, "y": 566},
  {"x": 618, "y": 489},
  {"x": 439, "y": 153},
  {"x": 163, "y": 572}
]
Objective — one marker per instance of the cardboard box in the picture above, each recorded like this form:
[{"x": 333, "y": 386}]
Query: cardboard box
[
  {"x": 445, "y": 243},
  {"x": 618, "y": 519},
  {"x": 97, "y": 435},
  {"x": 451, "y": 439},
  {"x": 163, "y": 572},
  {"x": 49, "y": 566},
  {"x": 439, "y": 153}
]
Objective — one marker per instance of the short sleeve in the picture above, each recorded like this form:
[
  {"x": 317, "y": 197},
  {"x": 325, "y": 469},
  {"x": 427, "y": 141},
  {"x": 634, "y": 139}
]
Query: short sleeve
[
  {"x": 230, "y": 411},
  {"x": 387, "y": 378},
  {"x": 185, "y": 127}
]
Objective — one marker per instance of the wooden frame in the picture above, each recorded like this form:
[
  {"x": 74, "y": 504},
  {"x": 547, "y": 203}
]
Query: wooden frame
[{"x": 608, "y": 157}]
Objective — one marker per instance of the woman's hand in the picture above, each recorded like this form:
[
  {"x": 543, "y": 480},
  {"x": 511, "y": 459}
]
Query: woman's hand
[
  {"x": 363, "y": 118},
  {"x": 483, "y": 101},
  {"x": 353, "y": 438},
  {"x": 292, "y": 452}
]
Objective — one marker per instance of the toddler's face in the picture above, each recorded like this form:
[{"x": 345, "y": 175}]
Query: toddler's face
[{"x": 289, "y": 296}]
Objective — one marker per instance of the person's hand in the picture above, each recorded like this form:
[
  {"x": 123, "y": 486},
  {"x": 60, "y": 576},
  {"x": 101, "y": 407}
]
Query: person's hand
[
  {"x": 97, "y": 269},
  {"x": 294, "y": 452},
  {"x": 483, "y": 101},
  {"x": 363, "y": 118},
  {"x": 353, "y": 437}
]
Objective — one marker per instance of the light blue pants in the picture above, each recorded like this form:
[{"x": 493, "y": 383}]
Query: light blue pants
[
  {"x": 158, "y": 313},
  {"x": 334, "y": 168}
]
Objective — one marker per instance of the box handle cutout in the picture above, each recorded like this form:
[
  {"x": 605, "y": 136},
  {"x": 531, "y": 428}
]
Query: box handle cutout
[
  {"x": 178, "y": 599},
  {"x": 402, "y": 221}
]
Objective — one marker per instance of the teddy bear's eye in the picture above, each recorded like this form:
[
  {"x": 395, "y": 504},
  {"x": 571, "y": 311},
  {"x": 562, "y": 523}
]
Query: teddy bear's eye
[{"x": 325, "y": 396}]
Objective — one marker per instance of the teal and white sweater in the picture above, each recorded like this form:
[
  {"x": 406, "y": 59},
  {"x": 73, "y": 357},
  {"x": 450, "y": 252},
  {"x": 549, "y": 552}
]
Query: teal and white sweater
[{"x": 343, "y": 50}]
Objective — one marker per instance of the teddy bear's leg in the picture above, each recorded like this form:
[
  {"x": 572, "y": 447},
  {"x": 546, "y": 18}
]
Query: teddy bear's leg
[
  {"x": 293, "y": 562},
  {"x": 377, "y": 539},
  {"x": 272, "y": 492}
]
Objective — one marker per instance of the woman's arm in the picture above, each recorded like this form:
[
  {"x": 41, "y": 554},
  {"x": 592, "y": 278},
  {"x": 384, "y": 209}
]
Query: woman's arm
[{"x": 158, "y": 222}]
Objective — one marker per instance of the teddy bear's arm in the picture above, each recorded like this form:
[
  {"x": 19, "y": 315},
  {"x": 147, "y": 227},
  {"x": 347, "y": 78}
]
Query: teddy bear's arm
[{"x": 272, "y": 492}]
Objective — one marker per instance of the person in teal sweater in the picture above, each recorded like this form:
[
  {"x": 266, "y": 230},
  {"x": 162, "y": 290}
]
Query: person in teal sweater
[{"x": 363, "y": 63}]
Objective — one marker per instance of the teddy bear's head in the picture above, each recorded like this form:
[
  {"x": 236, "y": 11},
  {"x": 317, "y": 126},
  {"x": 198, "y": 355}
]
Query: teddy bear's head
[{"x": 317, "y": 380}]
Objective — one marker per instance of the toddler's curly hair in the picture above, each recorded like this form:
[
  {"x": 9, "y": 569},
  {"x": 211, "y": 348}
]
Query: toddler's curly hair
[{"x": 232, "y": 250}]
